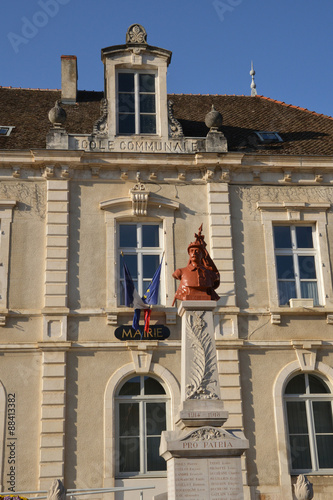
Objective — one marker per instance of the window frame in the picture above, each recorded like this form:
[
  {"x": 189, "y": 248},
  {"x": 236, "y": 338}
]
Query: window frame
[
  {"x": 142, "y": 399},
  {"x": 297, "y": 213},
  {"x": 296, "y": 252},
  {"x": 140, "y": 251},
  {"x": 137, "y": 113},
  {"x": 8, "y": 131},
  {"x": 308, "y": 399}
]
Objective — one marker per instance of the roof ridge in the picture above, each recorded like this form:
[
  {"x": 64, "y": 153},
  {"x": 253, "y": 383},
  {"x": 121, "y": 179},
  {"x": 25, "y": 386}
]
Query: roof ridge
[
  {"x": 45, "y": 90},
  {"x": 294, "y": 107}
]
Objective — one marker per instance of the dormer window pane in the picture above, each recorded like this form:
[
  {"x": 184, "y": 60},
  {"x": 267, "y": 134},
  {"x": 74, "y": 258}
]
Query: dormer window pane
[
  {"x": 147, "y": 124},
  {"x": 126, "y": 123},
  {"x": 126, "y": 82},
  {"x": 136, "y": 103},
  {"x": 147, "y": 83}
]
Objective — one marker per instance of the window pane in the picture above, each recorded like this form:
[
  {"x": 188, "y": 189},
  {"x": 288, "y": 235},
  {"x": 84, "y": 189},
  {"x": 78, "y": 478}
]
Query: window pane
[
  {"x": 287, "y": 291},
  {"x": 154, "y": 461},
  {"x": 129, "y": 460},
  {"x": 307, "y": 269},
  {"x": 126, "y": 82},
  {"x": 147, "y": 124},
  {"x": 285, "y": 267},
  {"x": 152, "y": 386},
  {"x": 300, "y": 452},
  {"x": 325, "y": 451},
  {"x": 127, "y": 235},
  {"x": 155, "y": 418},
  {"x": 150, "y": 236},
  {"x": 150, "y": 264},
  {"x": 126, "y": 103},
  {"x": 126, "y": 124},
  {"x": 309, "y": 290},
  {"x": 146, "y": 83},
  {"x": 322, "y": 411},
  {"x": 131, "y": 387},
  {"x": 132, "y": 263},
  {"x": 147, "y": 103},
  {"x": 282, "y": 237},
  {"x": 296, "y": 385},
  {"x": 128, "y": 419},
  {"x": 304, "y": 237},
  {"x": 296, "y": 413},
  {"x": 317, "y": 385}
]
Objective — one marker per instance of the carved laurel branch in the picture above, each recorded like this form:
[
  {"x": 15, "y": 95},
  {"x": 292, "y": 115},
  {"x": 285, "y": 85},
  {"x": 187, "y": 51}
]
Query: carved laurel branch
[
  {"x": 206, "y": 434},
  {"x": 203, "y": 363}
]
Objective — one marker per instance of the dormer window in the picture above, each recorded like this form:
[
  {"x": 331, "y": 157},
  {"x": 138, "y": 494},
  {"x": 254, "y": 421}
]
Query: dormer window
[{"x": 136, "y": 102}]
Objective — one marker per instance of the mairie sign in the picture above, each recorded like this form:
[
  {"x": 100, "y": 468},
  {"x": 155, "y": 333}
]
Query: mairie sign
[{"x": 156, "y": 332}]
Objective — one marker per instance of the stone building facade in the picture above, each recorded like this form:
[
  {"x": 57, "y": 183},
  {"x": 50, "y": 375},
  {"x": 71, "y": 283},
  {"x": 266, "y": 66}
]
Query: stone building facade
[{"x": 136, "y": 170}]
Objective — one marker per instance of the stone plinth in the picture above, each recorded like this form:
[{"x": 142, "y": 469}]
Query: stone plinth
[{"x": 204, "y": 463}]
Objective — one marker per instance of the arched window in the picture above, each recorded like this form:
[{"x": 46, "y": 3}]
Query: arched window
[
  {"x": 142, "y": 409},
  {"x": 308, "y": 401}
]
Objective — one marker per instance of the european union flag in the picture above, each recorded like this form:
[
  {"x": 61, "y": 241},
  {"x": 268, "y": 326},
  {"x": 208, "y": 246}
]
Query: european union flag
[{"x": 151, "y": 295}]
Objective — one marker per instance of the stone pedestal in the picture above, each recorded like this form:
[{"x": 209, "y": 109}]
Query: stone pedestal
[{"x": 203, "y": 459}]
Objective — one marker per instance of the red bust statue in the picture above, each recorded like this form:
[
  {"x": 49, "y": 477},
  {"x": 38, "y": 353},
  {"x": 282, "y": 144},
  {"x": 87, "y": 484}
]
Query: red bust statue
[{"x": 200, "y": 278}]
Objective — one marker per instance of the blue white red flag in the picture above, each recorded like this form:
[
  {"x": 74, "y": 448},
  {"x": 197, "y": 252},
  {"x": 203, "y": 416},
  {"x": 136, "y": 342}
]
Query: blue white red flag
[{"x": 133, "y": 299}]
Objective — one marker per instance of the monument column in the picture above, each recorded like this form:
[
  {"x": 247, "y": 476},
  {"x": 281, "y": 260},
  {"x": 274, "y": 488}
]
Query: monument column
[{"x": 203, "y": 459}]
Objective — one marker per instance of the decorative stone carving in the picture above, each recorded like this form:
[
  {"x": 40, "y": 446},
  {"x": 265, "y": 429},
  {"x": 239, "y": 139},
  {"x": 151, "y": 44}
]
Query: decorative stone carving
[
  {"x": 124, "y": 175},
  {"x": 225, "y": 176},
  {"x": 136, "y": 34},
  {"x": 287, "y": 176},
  {"x": 303, "y": 488},
  {"x": 65, "y": 172},
  {"x": 207, "y": 433},
  {"x": 276, "y": 319},
  {"x": 213, "y": 119},
  {"x": 48, "y": 172},
  {"x": 57, "y": 491},
  {"x": 175, "y": 128},
  {"x": 57, "y": 115},
  {"x": 152, "y": 176},
  {"x": 139, "y": 196},
  {"x": 204, "y": 359},
  {"x": 181, "y": 175},
  {"x": 16, "y": 172},
  {"x": 101, "y": 125},
  {"x": 95, "y": 172}
]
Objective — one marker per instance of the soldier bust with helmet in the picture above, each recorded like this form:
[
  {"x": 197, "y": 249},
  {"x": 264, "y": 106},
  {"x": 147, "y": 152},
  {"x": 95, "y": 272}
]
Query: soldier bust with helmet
[{"x": 200, "y": 278}]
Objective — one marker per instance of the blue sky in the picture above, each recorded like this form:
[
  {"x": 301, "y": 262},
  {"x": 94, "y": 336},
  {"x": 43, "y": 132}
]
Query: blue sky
[{"x": 213, "y": 43}]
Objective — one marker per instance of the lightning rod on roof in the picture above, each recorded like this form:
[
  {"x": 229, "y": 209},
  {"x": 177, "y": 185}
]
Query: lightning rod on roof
[{"x": 253, "y": 85}]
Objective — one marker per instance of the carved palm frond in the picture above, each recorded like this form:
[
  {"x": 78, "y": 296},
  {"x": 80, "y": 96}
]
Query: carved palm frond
[{"x": 203, "y": 364}]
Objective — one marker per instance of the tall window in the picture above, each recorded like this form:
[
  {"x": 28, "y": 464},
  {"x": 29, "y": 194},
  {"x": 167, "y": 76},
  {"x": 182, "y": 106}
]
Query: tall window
[
  {"x": 142, "y": 409},
  {"x": 140, "y": 247},
  {"x": 296, "y": 265},
  {"x": 136, "y": 103},
  {"x": 308, "y": 402}
]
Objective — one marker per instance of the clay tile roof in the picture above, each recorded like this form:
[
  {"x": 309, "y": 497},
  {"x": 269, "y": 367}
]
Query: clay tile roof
[{"x": 303, "y": 132}]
